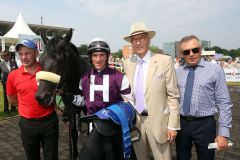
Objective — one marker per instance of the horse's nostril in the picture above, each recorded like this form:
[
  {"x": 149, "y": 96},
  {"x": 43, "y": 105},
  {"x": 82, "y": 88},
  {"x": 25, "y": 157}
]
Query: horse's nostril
[
  {"x": 47, "y": 96},
  {"x": 38, "y": 97}
]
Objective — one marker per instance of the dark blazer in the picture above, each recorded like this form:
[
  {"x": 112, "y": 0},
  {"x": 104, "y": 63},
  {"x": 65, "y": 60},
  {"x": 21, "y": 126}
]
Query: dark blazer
[{"x": 4, "y": 72}]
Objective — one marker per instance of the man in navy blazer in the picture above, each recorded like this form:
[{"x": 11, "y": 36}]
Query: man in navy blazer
[{"x": 5, "y": 68}]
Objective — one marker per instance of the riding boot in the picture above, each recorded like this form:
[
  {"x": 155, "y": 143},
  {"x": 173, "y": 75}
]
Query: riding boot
[{"x": 108, "y": 148}]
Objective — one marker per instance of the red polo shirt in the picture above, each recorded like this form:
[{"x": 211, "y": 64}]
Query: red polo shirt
[{"x": 24, "y": 85}]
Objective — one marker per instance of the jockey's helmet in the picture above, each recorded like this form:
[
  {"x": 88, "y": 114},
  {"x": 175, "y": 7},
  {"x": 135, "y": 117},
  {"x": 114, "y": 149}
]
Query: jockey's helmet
[{"x": 98, "y": 45}]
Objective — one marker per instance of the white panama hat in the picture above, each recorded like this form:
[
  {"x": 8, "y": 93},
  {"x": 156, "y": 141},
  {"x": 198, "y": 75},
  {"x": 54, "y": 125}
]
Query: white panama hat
[{"x": 138, "y": 28}]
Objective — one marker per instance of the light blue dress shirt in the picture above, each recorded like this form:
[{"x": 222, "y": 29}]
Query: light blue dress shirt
[{"x": 210, "y": 94}]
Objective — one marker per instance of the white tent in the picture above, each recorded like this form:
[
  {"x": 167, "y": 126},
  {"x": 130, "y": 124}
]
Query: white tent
[{"x": 20, "y": 28}]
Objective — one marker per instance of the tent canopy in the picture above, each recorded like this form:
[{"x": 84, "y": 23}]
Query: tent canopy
[{"x": 20, "y": 27}]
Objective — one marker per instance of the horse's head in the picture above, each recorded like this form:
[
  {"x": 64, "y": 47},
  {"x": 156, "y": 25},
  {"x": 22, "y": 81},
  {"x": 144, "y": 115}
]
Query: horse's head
[{"x": 61, "y": 58}]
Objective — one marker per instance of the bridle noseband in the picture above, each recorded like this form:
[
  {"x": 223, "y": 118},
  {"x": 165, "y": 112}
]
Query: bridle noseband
[{"x": 53, "y": 78}]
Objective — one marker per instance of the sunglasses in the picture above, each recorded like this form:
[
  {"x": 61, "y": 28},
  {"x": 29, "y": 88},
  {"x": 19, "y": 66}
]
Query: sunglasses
[{"x": 194, "y": 50}]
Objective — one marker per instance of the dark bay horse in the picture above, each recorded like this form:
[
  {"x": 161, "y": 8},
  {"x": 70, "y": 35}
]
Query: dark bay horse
[{"x": 61, "y": 57}]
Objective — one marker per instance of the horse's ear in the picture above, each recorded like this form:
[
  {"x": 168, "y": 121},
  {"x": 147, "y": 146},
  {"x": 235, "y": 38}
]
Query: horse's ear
[
  {"x": 44, "y": 38},
  {"x": 66, "y": 39}
]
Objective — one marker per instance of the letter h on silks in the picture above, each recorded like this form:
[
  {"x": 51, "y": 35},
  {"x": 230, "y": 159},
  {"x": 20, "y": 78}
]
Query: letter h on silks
[
  {"x": 123, "y": 114},
  {"x": 104, "y": 88}
]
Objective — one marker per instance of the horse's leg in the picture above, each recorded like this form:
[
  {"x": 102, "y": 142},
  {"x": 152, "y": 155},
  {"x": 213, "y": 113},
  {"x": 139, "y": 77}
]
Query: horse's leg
[{"x": 74, "y": 135}]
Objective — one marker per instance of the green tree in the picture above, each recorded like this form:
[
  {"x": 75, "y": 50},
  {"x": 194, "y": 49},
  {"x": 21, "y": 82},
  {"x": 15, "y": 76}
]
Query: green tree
[
  {"x": 117, "y": 54},
  {"x": 234, "y": 53},
  {"x": 218, "y": 50},
  {"x": 154, "y": 49},
  {"x": 82, "y": 50}
]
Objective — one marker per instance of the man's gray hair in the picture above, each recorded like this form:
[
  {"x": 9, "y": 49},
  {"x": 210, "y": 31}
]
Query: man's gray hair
[{"x": 188, "y": 38}]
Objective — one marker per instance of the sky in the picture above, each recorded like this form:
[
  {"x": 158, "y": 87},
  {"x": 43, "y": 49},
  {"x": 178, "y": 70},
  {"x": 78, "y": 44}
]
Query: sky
[{"x": 217, "y": 21}]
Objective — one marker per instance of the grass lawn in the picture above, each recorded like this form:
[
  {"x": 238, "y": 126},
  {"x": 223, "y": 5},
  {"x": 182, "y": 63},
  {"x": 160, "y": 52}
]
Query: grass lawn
[
  {"x": 233, "y": 83},
  {"x": 2, "y": 114}
]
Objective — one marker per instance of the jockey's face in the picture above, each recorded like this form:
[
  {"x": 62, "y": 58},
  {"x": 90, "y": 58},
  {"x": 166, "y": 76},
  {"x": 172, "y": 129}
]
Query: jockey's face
[{"x": 99, "y": 60}]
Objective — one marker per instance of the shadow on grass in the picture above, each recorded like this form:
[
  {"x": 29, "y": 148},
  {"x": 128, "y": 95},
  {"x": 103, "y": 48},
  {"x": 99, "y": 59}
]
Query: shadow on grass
[{"x": 7, "y": 115}]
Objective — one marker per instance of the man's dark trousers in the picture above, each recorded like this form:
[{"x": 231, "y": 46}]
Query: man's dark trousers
[
  {"x": 36, "y": 133},
  {"x": 199, "y": 131},
  {"x": 5, "y": 100}
]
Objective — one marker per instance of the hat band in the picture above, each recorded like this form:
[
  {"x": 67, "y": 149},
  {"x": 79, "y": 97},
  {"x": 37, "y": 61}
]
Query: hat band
[{"x": 138, "y": 32}]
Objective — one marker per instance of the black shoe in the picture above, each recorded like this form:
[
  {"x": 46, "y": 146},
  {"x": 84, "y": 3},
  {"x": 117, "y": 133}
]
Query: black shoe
[
  {"x": 7, "y": 111},
  {"x": 13, "y": 109}
]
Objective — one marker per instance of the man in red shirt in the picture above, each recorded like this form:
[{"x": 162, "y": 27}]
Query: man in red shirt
[{"x": 38, "y": 124}]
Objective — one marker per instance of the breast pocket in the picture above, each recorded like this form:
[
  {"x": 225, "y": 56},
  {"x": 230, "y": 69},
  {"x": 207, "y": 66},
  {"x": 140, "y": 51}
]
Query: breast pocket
[{"x": 156, "y": 85}]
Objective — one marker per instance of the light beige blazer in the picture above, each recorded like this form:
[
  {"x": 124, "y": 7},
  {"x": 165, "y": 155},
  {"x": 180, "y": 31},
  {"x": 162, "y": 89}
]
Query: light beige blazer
[{"x": 161, "y": 94}]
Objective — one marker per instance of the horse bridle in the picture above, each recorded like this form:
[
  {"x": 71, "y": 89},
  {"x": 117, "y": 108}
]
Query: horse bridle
[{"x": 53, "y": 78}]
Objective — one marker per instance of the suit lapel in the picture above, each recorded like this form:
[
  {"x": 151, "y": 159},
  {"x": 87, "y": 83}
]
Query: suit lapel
[{"x": 151, "y": 70}]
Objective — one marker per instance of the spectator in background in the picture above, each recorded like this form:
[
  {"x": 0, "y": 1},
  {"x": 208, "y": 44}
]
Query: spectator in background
[
  {"x": 176, "y": 62},
  {"x": 209, "y": 56},
  {"x": 212, "y": 59},
  {"x": 230, "y": 63},
  {"x": 237, "y": 60},
  {"x": 5, "y": 68}
]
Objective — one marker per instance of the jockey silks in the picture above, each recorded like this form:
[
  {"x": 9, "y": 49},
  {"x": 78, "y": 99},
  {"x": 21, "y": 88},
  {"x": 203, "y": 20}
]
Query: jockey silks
[{"x": 103, "y": 88}]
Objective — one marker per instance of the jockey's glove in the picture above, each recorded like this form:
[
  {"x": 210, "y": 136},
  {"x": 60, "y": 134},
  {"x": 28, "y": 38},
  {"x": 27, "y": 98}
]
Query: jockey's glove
[{"x": 78, "y": 100}]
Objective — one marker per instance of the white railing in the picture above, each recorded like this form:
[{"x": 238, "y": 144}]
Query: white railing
[{"x": 232, "y": 74}]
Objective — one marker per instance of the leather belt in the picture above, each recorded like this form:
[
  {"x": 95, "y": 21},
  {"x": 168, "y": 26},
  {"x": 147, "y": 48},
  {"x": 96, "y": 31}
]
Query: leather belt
[
  {"x": 41, "y": 118},
  {"x": 193, "y": 118},
  {"x": 144, "y": 113}
]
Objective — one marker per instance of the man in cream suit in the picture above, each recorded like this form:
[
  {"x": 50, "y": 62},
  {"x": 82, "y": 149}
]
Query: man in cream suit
[{"x": 156, "y": 99}]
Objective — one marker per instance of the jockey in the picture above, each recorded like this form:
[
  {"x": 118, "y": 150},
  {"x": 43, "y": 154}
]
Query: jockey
[{"x": 101, "y": 87}]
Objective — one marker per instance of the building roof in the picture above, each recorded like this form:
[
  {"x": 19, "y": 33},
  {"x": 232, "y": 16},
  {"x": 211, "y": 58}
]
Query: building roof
[{"x": 5, "y": 26}]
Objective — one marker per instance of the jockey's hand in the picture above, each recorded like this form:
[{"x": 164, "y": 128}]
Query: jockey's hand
[
  {"x": 222, "y": 143},
  {"x": 79, "y": 100},
  {"x": 171, "y": 134}
]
